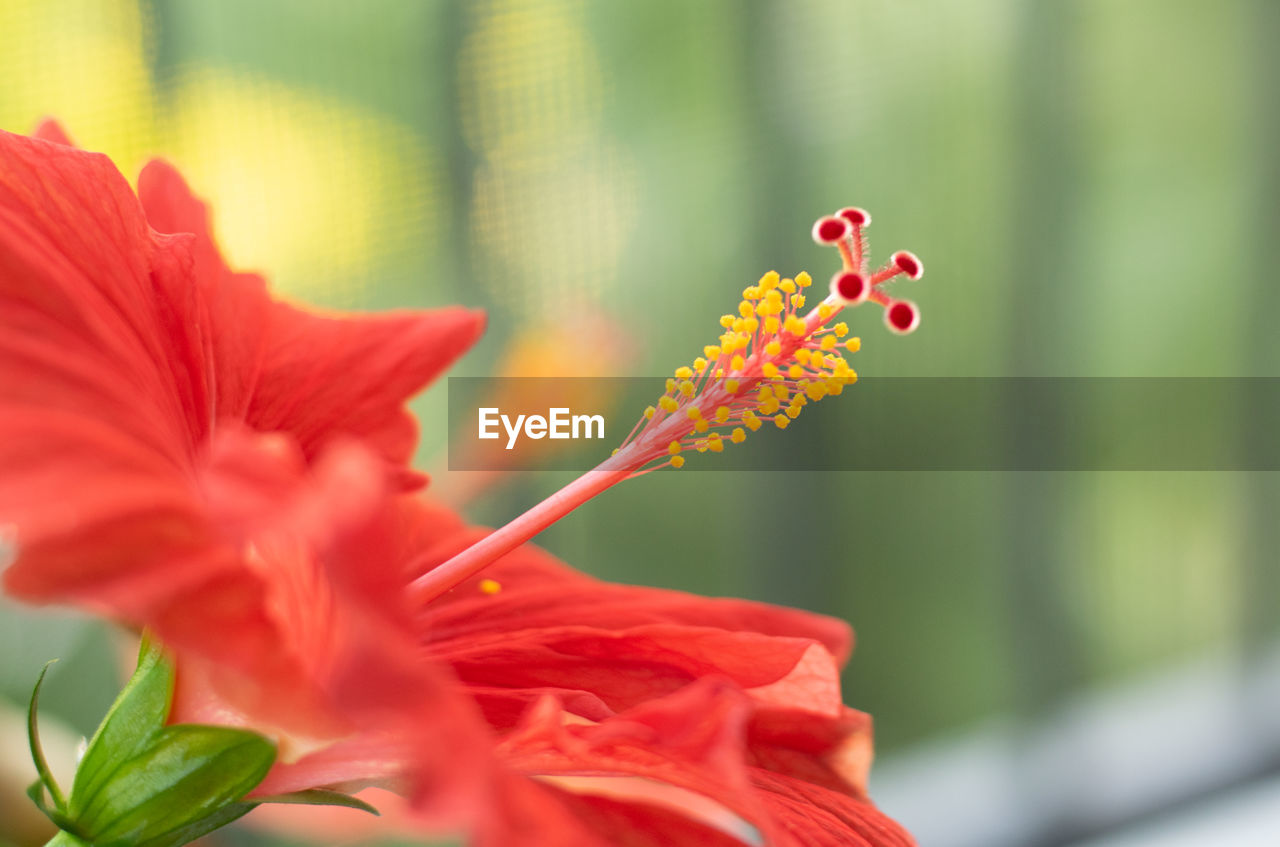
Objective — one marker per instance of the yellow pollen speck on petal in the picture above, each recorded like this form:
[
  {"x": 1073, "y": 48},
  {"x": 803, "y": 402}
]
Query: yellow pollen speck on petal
[
  {"x": 673, "y": 448},
  {"x": 770, "y": 370},
  {"x": 684, "y": 372},
  {"x": 738, "y": 435},
  {"x": 797, "y": 300},
  {"x": 649, "y": 412},
  {"x": 841, "y": 329},
  {"x": 677, "y": 461},
  {"x": 781, "y": 421},
  {"x": 803, "y": 279},
  {"x": 853, "y": 345},
  {"x": 489, "y": 586},
  {"x": 828, "y": 342},
  {"x": 737, "y": 364},
  {"x": 771, "y": 326},
  {"x": 722, "y": 414},
  {"x": 789, "y": 286}
]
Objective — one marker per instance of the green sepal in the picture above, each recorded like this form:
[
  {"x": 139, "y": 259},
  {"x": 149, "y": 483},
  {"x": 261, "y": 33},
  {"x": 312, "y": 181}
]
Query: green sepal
[
  {"x": 319, "y": 797},
  {"x": 185, "y": 775},
  {"x": 46, "y": 780},
  {"x": 135, "y": 719}
]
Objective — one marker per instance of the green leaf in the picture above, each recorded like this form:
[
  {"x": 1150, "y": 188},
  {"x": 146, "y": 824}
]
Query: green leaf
[
  {"x": 187, "y": 775},
  {"x": 37, "y": 752},
  {"x": 132, "y": 723},
  {"x": 319, "y": 797}
]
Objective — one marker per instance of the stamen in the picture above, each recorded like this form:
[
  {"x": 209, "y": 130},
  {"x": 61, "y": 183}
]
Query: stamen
[{"x": 770, "y": 363}]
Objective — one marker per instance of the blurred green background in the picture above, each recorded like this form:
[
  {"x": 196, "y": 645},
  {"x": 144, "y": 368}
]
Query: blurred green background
[{"x": 1093, "y": 186}]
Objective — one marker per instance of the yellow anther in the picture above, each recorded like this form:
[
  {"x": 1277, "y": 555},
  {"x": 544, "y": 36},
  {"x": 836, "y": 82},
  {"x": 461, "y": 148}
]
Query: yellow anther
[
  {"x": 745, "y": 309},
  {"x": 738, "y": 325},
  {"x": 699, "y": 364},
  {"x": 687, "y": 389},
  {"x": 781, "y": 421},
  {"x": 834, "y": 386},
  {"x": 771, "y": 326},
  {"x": 716, "y": 445},
  {"x": 737, "y": 363},
  {"x": 711, "y": 351},
  {"x": 489, "y": 586},
  {"x": 744, "y": 340},
  {"x": 816, "y": 391},
  {"x": 768, "y": 281},
  {"x": 694, "y": 413},
  {"x": 649, "y": 412},
  {"x": 773, "y": 348},
  {"x": 795, "y": 371},
  {"x": 780, "y": 391},
  {"x": 853, "y": 345},
  {"x": 768, "y": 407},
  {"x": 671, "y": 385},
  {"x": 684, "y": 372},
  {"x": 749, "y": 418},
  {"x": 701, "y": 426},
  {"x": 841, "y": 329},
  {"x": 750, "y": 293},
  {"x": 803, "y": 279},
  {"x": 673, "y": 448},
  {"x": 789, "y": 286},
  {"x": 795, "y": 325},
  {"x": 828, "y": 342},
  {"x": 726, "y": 321},
  {"x": 826, "y": 310},
  {"x": 731, "y": 385},
  {"x": 802, "y": 355},
  {"x": 763, "y": 308},
  {"x": 726, "y": 340},
  {"x": 677, "y": 461},
  {"x": 722, "y": 414},
  {"x": 793, "y": 411},
  {"x": 719, "y": 373},
  {"x": 765, "y": 393},
  {"x": 613, "y": 452},
  {"x": 797, "y": 300},
  {"x": 700, "y": 445},
  {"x": 668, "y": 404},
  {"x": 770, "y": 370},
  {"x": 751, "y": 324},
  {"x": 798, "y": 401},
  {"x": 775, "y": 296},
  {"x": 738, "y": 435}
]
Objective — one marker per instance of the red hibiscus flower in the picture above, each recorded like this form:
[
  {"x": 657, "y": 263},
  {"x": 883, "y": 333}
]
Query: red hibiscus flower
[{"x": 181, "y": 452}]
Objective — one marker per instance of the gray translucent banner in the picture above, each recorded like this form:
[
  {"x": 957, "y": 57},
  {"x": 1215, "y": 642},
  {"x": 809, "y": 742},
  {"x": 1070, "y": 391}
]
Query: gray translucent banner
[{"x": 891, "y": 423}]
